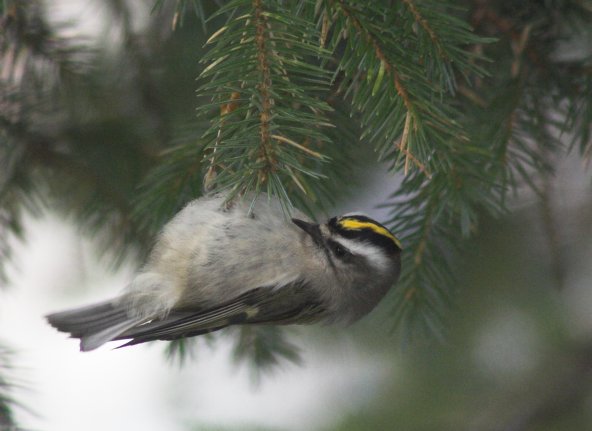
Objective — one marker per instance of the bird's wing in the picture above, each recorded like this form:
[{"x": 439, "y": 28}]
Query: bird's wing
[{"x": 285, "y": 305}]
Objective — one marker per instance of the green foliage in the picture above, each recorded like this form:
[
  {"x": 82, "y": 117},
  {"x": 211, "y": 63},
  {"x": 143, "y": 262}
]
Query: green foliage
[
  {"x": 266, "y": 107},
  {"x": 400, "y": 67},
  {"x": 182, "y": 8},
  {"x": 7, "y": 401}
]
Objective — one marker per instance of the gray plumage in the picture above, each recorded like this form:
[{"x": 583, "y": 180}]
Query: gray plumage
[{"x": 216, "y": 265}]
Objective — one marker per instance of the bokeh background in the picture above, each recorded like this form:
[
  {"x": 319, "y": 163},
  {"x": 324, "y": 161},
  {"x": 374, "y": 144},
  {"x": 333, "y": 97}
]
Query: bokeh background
[{"x": 515, "y": 353}]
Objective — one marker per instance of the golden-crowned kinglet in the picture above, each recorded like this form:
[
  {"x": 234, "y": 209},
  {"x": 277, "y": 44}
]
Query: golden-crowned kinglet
[{"x": 216, "y": 265}]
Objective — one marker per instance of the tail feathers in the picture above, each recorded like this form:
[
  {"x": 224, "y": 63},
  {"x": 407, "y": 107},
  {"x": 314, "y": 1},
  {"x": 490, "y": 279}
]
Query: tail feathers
[
  {"x": 92, "y": 341},
  {"x": 95, "y": 324}
]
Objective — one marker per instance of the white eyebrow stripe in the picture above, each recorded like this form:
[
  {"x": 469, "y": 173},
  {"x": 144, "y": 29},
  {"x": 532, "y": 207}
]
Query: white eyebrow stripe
[{"x": 374, "y": 254}]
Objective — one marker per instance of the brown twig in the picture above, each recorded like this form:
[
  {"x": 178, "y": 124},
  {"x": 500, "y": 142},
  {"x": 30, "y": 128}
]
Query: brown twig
[
  {"x": 265, "y": 150},
  {"x": 421, "y": 246},
  {"x": 390, "y": 68},
  {"x": 416, "y": 162},
  {"x": 225, "y": 109},
  {"x": 426, "y": 26}
]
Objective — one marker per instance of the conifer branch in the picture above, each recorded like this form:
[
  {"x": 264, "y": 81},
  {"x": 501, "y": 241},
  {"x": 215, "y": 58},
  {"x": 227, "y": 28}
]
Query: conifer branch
[
  {"x": 426, "y": 26},
  {"x": 419, "y": 253},
  {"x": 416, "y": 162},
  {"x": 278, "y": 96},
  {"x": 266, "y": 148},
  {"x": 389, "y": 67},
  {"x": 412, "y": 120},
  {"x": 7, "y": 401}
]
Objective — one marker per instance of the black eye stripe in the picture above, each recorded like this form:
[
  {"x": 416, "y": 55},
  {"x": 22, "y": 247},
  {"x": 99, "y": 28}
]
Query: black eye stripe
[{"x": 339, "y": 250}]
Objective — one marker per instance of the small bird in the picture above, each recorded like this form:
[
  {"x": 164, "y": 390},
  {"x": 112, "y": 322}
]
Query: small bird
[{"x": 217, "y": 264}]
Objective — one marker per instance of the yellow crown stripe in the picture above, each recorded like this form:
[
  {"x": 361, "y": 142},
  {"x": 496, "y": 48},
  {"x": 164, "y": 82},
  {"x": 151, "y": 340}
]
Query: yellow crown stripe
[{"x": 354, "y": 224}]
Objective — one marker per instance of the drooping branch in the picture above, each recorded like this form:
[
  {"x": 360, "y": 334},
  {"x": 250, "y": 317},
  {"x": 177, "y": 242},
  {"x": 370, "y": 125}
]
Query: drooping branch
[
  {"x": 389, "y": 67},
  {"x": 426, "y": 26},
  {"x": 391, "y": 70},
  {"x": 263, "y": 87}
]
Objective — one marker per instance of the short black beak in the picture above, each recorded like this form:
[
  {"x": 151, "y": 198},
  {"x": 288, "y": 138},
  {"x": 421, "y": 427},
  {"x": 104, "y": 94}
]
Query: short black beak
[{"x": 312, "y": 229}]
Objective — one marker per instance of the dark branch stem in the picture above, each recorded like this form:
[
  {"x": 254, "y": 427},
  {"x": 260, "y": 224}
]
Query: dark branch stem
[
  {"x": 426, "y": 26},
  {"x": 265, "y": 152},
  {"x": 380, "y": 55},
  {"x": 427, "y": 225}
]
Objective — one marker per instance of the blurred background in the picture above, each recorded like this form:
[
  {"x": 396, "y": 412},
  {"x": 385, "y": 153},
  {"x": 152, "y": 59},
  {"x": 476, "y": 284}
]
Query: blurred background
[{"x": 112, "y": 82}]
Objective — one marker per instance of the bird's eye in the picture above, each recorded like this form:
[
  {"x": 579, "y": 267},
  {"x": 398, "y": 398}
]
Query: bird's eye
[{"x": 338, "y": 249}]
